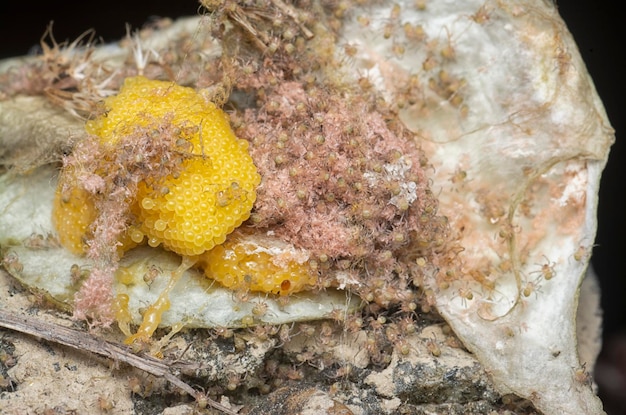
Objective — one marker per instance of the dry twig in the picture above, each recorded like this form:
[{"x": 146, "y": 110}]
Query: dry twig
[{"x": 86, "y": 342}]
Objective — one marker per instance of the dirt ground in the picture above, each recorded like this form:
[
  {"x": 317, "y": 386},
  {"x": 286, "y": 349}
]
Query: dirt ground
[{"x": 245, "y": 372}]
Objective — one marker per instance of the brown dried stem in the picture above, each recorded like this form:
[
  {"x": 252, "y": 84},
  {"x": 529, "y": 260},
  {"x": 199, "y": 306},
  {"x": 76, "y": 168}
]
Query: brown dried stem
[{"x": 87, "y": 342}]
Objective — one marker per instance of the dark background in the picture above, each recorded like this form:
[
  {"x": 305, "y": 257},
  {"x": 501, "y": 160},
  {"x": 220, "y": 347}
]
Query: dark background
[{"x": 598, "y": 27}]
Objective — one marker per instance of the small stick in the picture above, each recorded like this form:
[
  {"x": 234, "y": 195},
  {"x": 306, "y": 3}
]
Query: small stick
[
  {"x": 84, "y": 341},
  {"x": 291, "y": 12}
]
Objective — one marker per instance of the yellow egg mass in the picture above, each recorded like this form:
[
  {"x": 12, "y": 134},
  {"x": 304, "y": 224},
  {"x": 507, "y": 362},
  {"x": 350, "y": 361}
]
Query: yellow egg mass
[
  {"x": 211, "y": 195},
  {"x": 259, "y": 263}
]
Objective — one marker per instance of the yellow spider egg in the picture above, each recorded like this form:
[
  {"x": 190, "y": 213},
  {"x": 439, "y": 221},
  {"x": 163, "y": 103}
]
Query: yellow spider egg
[{"x": 259, "y": 263}]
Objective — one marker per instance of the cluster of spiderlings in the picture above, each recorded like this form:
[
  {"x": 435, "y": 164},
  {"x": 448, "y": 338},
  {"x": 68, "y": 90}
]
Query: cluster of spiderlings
[
  {"x": 188, "y": 212},
  {"x": 258, "y": 264},
  {"x": 345, "y": 183}
]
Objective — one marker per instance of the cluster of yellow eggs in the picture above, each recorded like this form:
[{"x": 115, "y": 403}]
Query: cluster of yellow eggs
[
  {"x": 258, "y": 263},
  {"x": 201, "y": 207},
  {"x": 216, "y": 188},
  {"x": 212, "y": 195}
]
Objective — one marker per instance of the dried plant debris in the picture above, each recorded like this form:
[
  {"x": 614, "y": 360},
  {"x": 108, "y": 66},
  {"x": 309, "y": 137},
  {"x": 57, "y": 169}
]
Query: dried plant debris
[
  {"x": 396, "y": 181},
  {"x": 27, "y": 141}
]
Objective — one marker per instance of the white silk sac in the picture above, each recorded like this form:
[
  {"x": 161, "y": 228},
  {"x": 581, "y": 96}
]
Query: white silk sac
[{"x": 518, "y": 138}]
